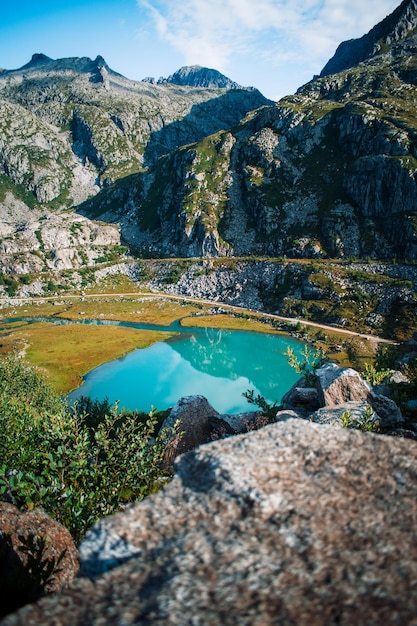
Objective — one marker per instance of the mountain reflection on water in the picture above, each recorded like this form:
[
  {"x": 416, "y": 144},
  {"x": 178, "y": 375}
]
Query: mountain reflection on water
[{"x": 219, "y": 364}]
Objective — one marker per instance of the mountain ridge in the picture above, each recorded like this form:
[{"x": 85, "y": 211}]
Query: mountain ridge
[
  {"x": 393, "y": 28},
  {"x": 189, "y": 170},
  {"x": 198, "y": 76}
]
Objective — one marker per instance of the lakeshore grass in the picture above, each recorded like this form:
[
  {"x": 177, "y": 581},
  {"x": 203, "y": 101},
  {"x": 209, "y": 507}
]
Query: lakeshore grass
[
  {"x": 146, "y": 309},
  {"x": 229, "y": 322},
  {"x": 69, "y": 352}
]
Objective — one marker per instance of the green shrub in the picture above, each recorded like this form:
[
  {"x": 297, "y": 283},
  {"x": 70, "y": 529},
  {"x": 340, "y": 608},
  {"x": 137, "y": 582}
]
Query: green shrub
[
  {"x": 50, "y": 457},
  {"x": 374, "y": 375},
  {"x": 269, "y": 410},
  {"x": 366, "y": 422},
  {"x": 306, "y": 365}
]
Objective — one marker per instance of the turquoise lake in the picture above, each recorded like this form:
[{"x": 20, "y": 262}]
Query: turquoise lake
[{"x": 218, "y": 364}]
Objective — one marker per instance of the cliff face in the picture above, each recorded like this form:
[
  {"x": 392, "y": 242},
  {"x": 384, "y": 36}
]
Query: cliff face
[{"x": 330, "y": 171}]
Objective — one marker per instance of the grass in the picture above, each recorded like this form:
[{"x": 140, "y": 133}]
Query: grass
[
  {"x": 226, "y": 321},
  {"x": 145, "y": 310},
  {"x": 69, "y": 352}
]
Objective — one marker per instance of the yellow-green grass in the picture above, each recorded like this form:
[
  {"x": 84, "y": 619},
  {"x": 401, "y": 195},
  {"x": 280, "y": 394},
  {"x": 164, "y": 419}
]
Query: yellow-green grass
[
  {"x": 145, "y": 310},
  {"x": 223, "y": 320},
  {"x": 114, "y": 283},
  {"x": 68, "y": 352}
]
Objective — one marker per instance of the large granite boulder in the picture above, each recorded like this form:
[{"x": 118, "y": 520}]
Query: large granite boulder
[
  {"x": 198, "y": 422},
  {"x": 337, "y": 385},
  {"x": 296, "y": 523}
]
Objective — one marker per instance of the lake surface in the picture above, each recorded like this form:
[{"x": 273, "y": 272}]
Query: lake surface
[{"x": 218, "y": 364}]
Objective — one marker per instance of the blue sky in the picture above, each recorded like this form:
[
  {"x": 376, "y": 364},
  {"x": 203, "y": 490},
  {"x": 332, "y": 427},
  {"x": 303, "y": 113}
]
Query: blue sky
[{"x": 274, "y": 45}]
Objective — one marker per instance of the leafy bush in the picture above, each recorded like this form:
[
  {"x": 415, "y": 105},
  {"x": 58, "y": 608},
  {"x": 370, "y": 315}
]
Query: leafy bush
[
  {"x": 374, "y": 375},
  {"x": 50, "y": 457}
]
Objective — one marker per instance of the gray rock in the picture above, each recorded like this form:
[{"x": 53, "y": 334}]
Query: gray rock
[
  {"x": 398, "y": 377},
  {"x": 245, "y": 422},
  {"x": 296, "y": 523},
  {"x": 192, "y": 414},
  {"x": 389, "y": 413},
  {"x": 337, "y": 386},
  {"x": 300, "y": 396},
  {"x": 287, "y": 414},
  {"x": 333, "y": 416}
]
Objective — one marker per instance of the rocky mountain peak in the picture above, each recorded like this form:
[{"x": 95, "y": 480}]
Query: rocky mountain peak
[
  {"x": 396, "y": 27},
  {"x": 197, "y": 76},
  {"x": 37, "y": 59},
  {"x": 84, "y": 65}
]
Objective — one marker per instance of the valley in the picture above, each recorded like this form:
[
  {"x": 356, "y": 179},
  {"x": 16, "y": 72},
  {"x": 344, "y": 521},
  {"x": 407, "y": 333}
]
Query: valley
[{"x": 303, "y": 211}]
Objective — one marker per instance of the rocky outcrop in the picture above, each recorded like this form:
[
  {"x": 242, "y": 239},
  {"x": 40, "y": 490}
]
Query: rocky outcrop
[
  {"x": 36, "y": 241},
  {"x": 340, "y": 396},
  {"x": 295, "y": 523},
  {"x": 197, "y": 76},
  {"x": 24, "y": 564}
]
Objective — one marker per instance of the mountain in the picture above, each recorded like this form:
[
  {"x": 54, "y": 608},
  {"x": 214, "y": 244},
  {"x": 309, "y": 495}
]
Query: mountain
[
  {"x": 329, "y": 171},
  {"x": 197, "y": 76},
  {"x": 393, "y": 28},
  {"x": 71, "y": 127}
]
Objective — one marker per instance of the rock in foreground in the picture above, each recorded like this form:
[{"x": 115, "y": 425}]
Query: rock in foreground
[{"x": 296, "y": 523}]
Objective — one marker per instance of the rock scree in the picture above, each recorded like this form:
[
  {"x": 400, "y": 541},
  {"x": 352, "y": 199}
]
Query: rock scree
[{"x": 296, "y": 523}]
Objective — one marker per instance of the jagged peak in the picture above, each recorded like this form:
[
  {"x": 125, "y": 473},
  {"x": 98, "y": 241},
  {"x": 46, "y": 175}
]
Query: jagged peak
[
  {"x": 393, "y": 28},
  {"x": 197, "y": 76},
  {"x": 83, "y": 65}
]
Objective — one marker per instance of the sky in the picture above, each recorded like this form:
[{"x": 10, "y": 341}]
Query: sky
[{"x": 274, "y": 45}]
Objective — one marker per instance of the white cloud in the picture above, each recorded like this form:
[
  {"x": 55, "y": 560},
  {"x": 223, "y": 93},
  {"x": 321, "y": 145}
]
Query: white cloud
[{"x": 224, "y": 33}]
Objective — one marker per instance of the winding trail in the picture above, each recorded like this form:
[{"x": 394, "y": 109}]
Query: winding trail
[{"x": 223, "y": 305}]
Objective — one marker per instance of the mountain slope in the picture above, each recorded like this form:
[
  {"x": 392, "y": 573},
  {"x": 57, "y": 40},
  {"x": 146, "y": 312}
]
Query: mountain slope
[
  {"x": 379, "y": 39},
  {"x": 81, "y": 120},
  {"x": 330, "y": 171}
]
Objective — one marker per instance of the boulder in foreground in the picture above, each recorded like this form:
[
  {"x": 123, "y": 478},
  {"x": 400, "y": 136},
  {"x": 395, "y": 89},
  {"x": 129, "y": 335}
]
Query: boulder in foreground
[{"x": 296, "y": 523}]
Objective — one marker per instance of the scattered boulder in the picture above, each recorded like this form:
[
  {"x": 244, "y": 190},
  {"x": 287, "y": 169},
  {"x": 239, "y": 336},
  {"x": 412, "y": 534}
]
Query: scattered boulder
[
  {"x": 334, "y": 415},
  {"x": 192, "y": 413},
  {"x": 24, "y": 563},
  {"x": 337, "y": 385},
  {"x": 389, "y": 413},
  {"x": 245, "y": 422},
  {"x": 296, "y": 523}
]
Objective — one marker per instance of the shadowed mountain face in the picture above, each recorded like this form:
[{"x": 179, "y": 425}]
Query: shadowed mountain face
[
  {"x": 68, "y": 127},
  {"x": 329, "y": 171}
]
